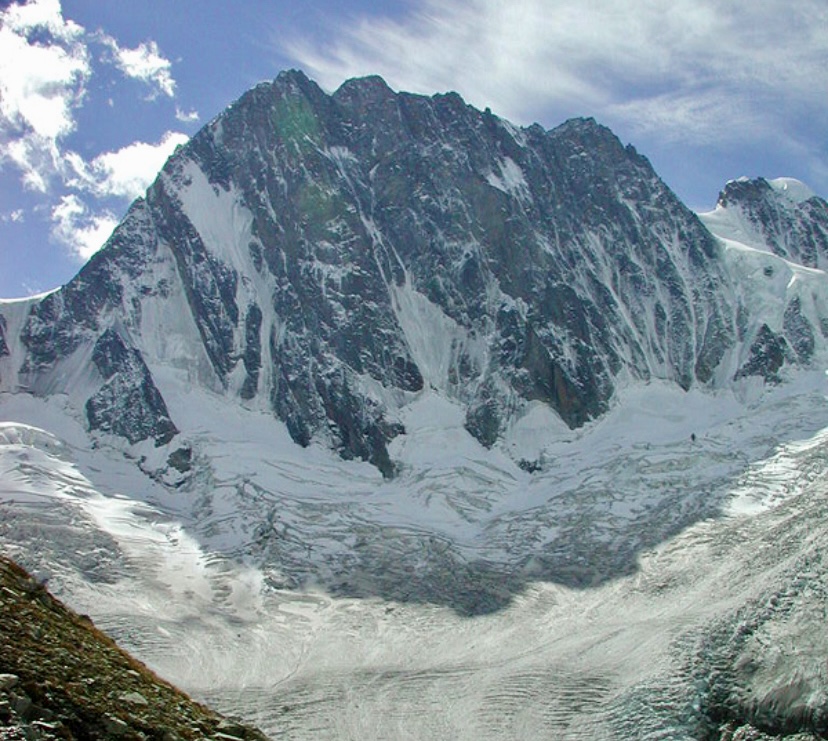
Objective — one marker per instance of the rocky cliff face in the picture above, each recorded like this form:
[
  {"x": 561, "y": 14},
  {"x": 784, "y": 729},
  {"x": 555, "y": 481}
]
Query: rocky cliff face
[{"x": 326, "y": 257}]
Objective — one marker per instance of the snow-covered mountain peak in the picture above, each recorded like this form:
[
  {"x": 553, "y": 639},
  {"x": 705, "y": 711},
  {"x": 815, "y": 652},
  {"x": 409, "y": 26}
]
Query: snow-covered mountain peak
[
  {"x": 782, "y": 216},
  {"x": 290, "y": 254},
  {"x": 328, "y": 258}
]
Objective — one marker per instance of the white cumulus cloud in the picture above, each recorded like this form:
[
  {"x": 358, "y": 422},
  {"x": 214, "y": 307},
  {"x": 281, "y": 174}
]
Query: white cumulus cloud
[
  {"x": 127, "y": 172},
  {"x": 146, "y": 63},
  {"x": 80, "y": 229},
  {"x": 44, "y": 66},
  {"x": 46, "y": 63}
]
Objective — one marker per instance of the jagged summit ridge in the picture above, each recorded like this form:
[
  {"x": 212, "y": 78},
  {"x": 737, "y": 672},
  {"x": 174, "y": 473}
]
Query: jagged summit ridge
[{"x": 328, "y": 257}]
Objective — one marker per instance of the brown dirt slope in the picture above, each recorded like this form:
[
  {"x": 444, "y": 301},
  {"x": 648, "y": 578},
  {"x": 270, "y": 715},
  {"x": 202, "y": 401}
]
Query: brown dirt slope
[{"x": 62, "y": 678}]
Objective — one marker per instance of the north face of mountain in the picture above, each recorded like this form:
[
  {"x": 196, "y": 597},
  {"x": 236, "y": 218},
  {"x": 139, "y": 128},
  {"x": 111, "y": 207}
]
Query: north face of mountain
[{"x": 328, "y": 257}]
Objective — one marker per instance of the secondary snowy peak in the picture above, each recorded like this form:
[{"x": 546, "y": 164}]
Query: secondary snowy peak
[
  {"x": 327, "y": 258},
  {"x": 775, "y": 235},
  {"x": 783, "y": 216},
  {"x": 793, "y": 189}
]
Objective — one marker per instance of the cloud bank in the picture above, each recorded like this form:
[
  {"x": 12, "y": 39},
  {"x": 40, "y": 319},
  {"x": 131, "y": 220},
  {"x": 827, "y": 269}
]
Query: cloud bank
[{"x": 41, "y": 84}]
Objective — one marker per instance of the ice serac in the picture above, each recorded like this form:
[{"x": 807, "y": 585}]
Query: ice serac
[{"x": 326, "y": 257}]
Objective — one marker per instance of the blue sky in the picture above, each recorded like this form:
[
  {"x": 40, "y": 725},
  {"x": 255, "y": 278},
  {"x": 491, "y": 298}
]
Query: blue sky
[{"x": 94, "y": 95}]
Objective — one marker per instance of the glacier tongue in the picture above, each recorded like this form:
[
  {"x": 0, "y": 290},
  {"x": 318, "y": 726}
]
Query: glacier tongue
[{"x": 290, "y": 586}]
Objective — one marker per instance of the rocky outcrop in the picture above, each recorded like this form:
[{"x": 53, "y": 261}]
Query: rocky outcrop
[
  {"x": 128, "y": 404},
  {"x": 767, "y": 355},
  {"x": 4, "y": 347}
]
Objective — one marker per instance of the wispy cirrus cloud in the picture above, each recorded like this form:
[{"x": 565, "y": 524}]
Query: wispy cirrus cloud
[{"x": 678, "y": 70}]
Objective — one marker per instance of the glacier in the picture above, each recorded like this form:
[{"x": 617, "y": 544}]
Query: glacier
[{"x": 670, "y": 542}]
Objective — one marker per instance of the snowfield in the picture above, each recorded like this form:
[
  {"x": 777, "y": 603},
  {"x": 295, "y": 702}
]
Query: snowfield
[{"x": 657, "y": 552}]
